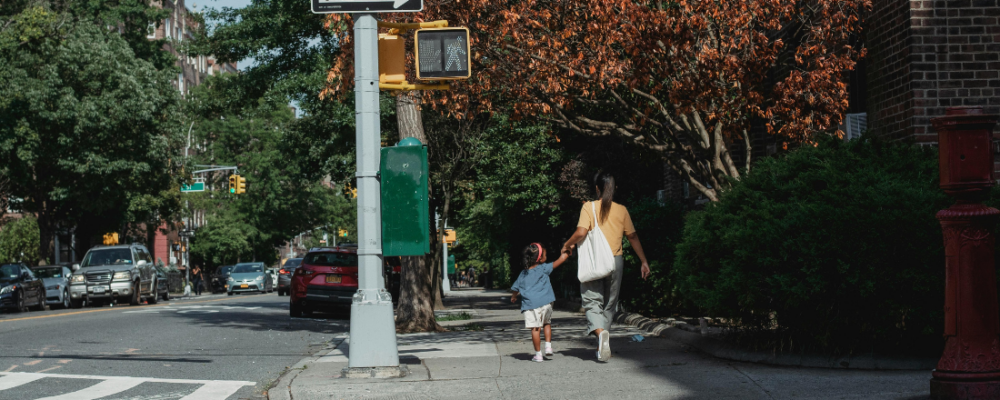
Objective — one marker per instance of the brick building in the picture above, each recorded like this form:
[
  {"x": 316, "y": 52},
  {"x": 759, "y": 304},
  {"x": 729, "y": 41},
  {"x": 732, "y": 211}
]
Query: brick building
[{"x": 925, "y": 56}]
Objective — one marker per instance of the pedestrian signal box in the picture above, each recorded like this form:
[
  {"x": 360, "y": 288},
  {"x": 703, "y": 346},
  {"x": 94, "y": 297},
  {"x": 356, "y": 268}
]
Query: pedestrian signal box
[
  {"x": 442, "y": 53},
  {"x": 405, "y": 208}
]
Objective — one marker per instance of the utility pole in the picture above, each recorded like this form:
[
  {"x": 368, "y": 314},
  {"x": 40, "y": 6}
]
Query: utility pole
[
  {"x": 445, "y": 283},
  {"x": 373, "y": 351}
]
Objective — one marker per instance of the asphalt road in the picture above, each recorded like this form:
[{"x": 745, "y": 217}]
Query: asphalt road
[{"x": 203, "y": 348}]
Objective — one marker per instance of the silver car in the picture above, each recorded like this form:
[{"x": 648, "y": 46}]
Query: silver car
[
  {"x": 249, "y": 277},
  {"x": 111, "y": 273},
  {"x": 56, "y": 281}
]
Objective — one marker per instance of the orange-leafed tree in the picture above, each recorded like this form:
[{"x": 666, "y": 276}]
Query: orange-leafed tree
[{"x": 685, "y": 78}]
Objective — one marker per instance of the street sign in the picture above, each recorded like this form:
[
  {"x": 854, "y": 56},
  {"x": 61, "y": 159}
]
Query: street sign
[
  {"x": 366, "y": 6},
  {"x": 443, "y": 53},
  {"x": 185, "y": 233},
  {"x": 195, "y": 187}
]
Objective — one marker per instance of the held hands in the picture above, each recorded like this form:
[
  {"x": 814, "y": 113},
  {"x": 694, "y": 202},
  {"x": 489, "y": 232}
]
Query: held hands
[{"x": 568, "y": 250}]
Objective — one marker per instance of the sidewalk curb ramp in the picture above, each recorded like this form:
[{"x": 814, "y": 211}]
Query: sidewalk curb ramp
[{"x": 720, "y": 349}]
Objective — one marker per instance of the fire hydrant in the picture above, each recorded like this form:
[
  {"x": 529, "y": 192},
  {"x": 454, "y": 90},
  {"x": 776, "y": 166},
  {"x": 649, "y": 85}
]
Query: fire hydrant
[{"x": 969, "y": 368}]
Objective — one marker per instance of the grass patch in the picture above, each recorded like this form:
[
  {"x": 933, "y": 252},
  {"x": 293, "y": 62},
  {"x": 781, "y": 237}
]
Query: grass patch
[
  {"x": 454, "y": 317},
  {"x": 472, "y": 327}
]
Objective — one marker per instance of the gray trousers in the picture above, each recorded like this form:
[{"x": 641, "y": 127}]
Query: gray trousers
[{"x": 600, "y": 298}]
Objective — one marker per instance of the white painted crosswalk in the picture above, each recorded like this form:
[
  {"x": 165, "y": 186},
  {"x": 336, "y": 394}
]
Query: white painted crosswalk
[{"x": 110, "y": 385}]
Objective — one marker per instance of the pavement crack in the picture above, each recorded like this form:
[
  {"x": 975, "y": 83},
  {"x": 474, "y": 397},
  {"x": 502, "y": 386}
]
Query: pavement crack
[
  {"x": 427, "y": 368},
  {"x": 768, "y": 393}
]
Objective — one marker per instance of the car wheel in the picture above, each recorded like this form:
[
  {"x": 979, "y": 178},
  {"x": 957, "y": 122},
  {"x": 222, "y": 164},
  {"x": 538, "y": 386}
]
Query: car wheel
[
  {"x": 229, "y": 293},
  {"x": 153, "y": 296},
  {"x": 136, "y": 296},
  {"x": 19, "y": 303},
  {"x": 76, "y": 303},
  {"x": 294, "y": 309},
  {"x": 166, "y": 295},
  {"x": 41, "y": 306},
  {"x": 66, "y": 300}
]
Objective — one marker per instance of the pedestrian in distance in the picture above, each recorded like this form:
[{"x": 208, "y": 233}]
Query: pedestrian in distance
[
  {"x": 600, "y": 297},
  {"x": 196, "y": 280},
  {"x": 537, "y": 296},
  {"x": 472, "y": 276}
]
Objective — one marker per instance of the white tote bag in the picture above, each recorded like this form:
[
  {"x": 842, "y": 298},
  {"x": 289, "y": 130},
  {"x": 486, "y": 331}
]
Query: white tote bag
[{"x": 596, "y": 261}]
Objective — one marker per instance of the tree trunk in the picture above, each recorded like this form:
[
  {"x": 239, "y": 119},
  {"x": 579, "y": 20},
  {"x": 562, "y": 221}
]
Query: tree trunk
[{"x": 415, "y": 312}]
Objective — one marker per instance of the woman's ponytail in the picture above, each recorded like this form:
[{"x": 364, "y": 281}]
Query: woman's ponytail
[{"x": 605, "y": 183}]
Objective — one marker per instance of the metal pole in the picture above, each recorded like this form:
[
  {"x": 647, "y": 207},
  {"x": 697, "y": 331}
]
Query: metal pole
[
  {"x": 445, "y": 283},
  {"x": 373, "y": 349}
]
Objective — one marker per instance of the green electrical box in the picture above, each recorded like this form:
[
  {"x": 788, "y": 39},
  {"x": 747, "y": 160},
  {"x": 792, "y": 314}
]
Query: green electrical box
[
  {"x": 405, "y": 209},
  {"x": 451, "y": 264}
]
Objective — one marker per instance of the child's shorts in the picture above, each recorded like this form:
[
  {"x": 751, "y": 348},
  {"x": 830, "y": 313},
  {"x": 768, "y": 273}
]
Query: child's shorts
[{"x": 538, "y": 317}]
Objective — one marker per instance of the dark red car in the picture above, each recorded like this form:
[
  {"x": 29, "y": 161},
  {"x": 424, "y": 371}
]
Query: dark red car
[{"x": 326, "y": 279}]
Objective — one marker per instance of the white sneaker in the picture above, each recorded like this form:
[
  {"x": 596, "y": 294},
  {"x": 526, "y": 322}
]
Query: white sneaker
[
  {"x": 604, "y": 348},
  {"x": 537, "y": 358},
  {"x": 548, "y": 350}
]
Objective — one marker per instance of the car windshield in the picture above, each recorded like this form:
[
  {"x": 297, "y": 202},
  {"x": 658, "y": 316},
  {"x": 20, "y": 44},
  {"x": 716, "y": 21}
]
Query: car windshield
[
  {"x": 245, "y": 268},
  {"x": 9, "y": 271},
  {"x": 292, "y": 263},
  {"x": 332, "y": 259},
  {"x": 49, "y": 273},
  {"x": 107, "y": 257}
]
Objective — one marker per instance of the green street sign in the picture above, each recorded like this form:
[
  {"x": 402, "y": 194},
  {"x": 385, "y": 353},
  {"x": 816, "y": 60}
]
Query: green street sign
[{"x": 195, "y": 187}]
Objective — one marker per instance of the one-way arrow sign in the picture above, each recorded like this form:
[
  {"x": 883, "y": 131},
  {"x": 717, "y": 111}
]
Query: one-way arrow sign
[{"x": 366, "y": 6}]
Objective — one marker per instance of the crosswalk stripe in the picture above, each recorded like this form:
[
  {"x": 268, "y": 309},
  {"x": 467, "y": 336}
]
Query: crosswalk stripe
[
  {"x": 214, "y": 390},
  {"x": 105, "y": 388},
  {"x": 9, "y": 381},
  {"x": 109, "y": 385}
]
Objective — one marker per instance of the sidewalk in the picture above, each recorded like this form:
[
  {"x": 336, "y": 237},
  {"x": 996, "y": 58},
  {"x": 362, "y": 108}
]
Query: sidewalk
[{"x": 494, "y": 363}]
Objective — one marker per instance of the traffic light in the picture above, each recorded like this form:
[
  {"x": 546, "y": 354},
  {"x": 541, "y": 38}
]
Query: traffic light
[
  {"x": 343, "y": 232},
  {"x": 232, "y": 184},
  {"x": 241, "y": 184}
]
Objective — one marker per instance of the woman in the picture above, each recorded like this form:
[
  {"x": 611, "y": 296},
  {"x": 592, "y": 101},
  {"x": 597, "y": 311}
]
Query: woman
[
  {"x": 196, "y": 280},
  {"x": 600, "y": 297}
]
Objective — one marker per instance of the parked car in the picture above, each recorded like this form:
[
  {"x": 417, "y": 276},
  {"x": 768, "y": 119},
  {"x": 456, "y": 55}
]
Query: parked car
[
  {"x": 162, "y": 284},
  {"x": 56, "y": 281},
  {"x": 326, "y": 279},
  {"x": 249, "y": 277},
  {"x": 110, "y": 273},
  {"x": 20, "y": 289},
  {"x": 219, "y": 278},
  {"x": 285, "y": 275},
  {"x": 392, "y": 274}
]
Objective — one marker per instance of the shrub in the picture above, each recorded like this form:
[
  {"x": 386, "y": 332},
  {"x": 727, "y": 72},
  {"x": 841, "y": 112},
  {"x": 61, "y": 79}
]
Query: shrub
[
  {"x": 659, "y": 228},
  {"x": 832, "y": 248},
  {"x": 19, "y": 240}
]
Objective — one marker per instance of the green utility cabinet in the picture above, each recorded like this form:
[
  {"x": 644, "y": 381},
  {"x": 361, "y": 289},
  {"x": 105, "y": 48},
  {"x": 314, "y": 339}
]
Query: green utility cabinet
[
  {"x": 405, "y": 209},
  {"x": 451, "y": 264}
]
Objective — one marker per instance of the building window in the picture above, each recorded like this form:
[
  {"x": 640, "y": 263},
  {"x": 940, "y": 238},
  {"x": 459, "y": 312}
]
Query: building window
[
  {"x": 151, "y": 31},
  {"x": 167, "y": 26}
]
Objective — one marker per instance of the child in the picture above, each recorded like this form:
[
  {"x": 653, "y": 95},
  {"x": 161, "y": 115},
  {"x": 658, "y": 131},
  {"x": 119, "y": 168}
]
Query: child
[{"x": 537, "y": 296}]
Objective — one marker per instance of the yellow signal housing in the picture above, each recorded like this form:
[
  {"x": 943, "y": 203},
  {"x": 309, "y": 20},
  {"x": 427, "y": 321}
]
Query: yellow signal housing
[
  {"x": 343, "y": 233},
  {"x": 232, "y": 184},
  {"x": 110, "y": 239},
  {"x": 391, "y": 59},
  {"x": 241, "y": 184}
]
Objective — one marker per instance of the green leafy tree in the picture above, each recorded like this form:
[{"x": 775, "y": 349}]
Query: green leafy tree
[
  {"x": 19, "y": 241},
  {"x": 87, "y": 129}
]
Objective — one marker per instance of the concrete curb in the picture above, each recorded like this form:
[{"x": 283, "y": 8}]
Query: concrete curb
[
  {"x": 282, "y": 389},
  {"x": 720, "y": 349}
]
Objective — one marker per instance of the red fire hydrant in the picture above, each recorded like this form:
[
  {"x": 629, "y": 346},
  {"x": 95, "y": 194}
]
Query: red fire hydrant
[{"x": 970, "y": 365}]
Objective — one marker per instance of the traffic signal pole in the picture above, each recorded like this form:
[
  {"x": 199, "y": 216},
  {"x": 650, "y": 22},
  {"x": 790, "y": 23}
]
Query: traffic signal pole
[{"x": 372, "y": 350}]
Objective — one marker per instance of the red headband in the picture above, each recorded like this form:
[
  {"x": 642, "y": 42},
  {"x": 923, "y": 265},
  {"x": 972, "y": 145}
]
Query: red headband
[{"x": 539, "y": 259}]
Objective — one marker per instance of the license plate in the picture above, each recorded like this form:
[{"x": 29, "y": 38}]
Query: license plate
[
  {"x": 99, "y": 290},
  {"x": 244, "y": 286},
  {"x": 333, "y": 279}
]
